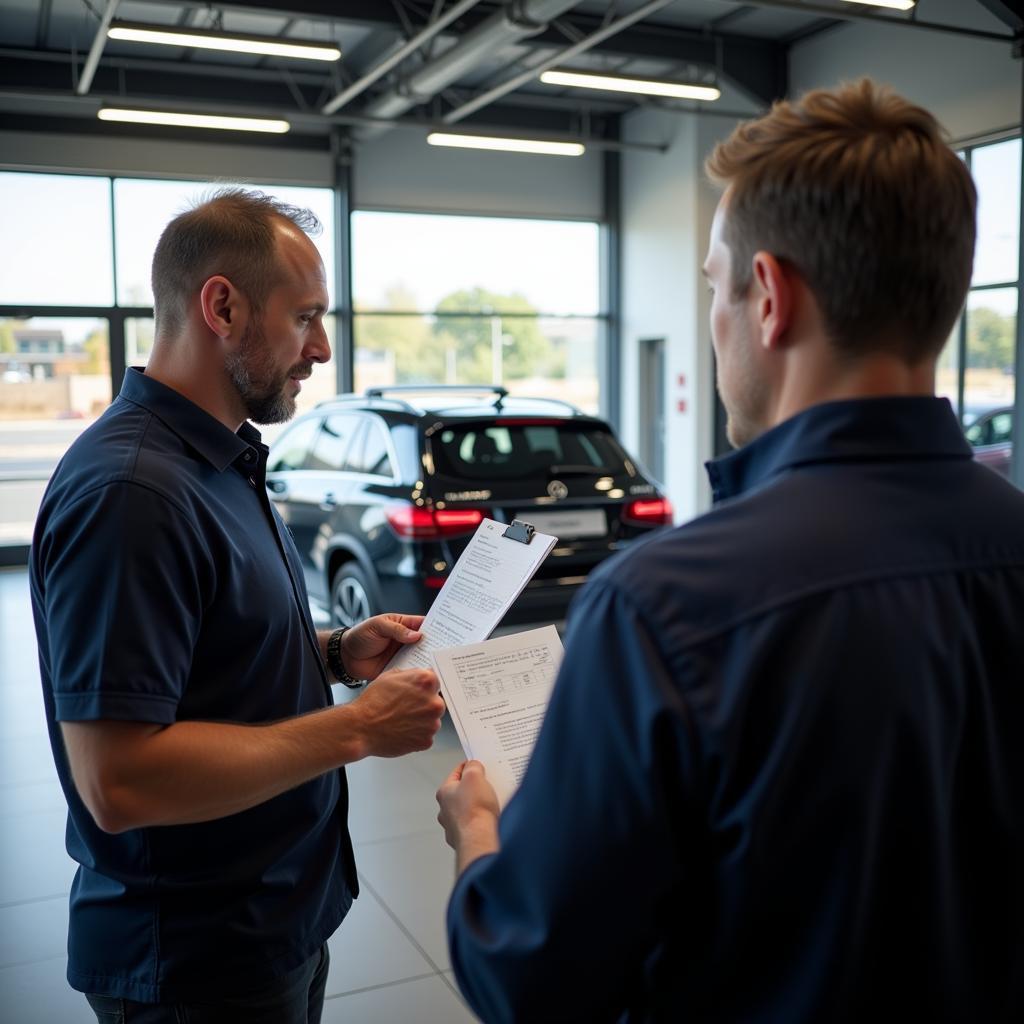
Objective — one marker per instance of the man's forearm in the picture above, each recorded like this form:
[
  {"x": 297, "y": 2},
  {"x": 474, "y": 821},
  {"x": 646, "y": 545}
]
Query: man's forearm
[
  {"x": 197, "y": 771},
  {"x": 476, "y": 840}
]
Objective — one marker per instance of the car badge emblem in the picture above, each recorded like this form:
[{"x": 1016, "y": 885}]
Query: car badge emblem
[{"x": 557, "y": 490}]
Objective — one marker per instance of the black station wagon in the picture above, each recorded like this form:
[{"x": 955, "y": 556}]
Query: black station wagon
[{"x": 382, "y": 492}]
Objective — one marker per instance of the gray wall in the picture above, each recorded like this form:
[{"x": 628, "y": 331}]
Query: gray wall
[
  {"x": 38, "y": 151},
  {"x": 399, "y": 171},
  {"x": 666, "y": 212},
  {"x": 973, "y": 86}
]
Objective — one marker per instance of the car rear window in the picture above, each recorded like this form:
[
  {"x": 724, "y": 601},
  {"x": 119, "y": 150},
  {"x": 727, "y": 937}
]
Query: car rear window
[{"x": 515, "y": 451}]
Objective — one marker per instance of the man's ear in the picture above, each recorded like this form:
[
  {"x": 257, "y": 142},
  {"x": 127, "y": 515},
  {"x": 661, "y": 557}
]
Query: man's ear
[
  {"x": 223, "y": 307},
  {"x": 774, "y": 294}
]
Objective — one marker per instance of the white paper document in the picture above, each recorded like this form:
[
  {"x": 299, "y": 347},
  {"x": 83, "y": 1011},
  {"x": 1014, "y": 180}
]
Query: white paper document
[
  {"x": 489, "y": 575},
  {"x": 497, "y": 692}
]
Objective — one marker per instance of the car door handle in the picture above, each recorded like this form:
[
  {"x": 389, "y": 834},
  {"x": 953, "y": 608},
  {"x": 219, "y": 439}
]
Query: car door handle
[
  {"x": 330, "y": 502},
  {"x": 278, "y": 489}
]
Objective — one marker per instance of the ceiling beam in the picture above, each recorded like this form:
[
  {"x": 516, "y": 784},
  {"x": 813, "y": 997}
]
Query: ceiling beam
[
  {"x": 367, "y": 13},
  {"x": 153, "y": 76},
  {"x": 815, "y": 28},
  {"x": 174, "y": 85},
  {"x": 1009, "y": 12}
]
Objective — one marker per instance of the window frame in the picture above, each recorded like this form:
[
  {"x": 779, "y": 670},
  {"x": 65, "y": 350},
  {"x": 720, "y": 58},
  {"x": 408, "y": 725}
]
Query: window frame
[{"x": 967, "y": 152}]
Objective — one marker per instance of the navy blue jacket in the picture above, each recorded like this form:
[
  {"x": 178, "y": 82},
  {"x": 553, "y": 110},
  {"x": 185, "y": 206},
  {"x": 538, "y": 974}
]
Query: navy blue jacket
[
  {"x": 165, "y": 588},
  {"x": 781, "y": 777}
]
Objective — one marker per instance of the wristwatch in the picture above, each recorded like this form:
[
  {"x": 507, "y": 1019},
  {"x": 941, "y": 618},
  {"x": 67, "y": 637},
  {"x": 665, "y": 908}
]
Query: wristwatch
[{"x": 335, "y": 662}]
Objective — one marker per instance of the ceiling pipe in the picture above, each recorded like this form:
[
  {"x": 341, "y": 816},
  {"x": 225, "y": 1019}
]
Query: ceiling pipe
[
  {"x": 582, "y": 46},
  {"x": 514, "y": 22},
  {"x": 398, "y": 56},
  {"x": 85, "y": 82}
]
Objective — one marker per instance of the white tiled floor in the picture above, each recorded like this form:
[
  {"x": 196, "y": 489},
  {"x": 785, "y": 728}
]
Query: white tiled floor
[{"x": 389, "y": 960}]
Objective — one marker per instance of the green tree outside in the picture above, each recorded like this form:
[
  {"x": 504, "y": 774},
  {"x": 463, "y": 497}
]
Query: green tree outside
[
  {"x": 459, "y": 349},
  {"x": 407, "y": 338},
  {"x": 525, "y": 351},
  {"x": 991, "y": 339}
]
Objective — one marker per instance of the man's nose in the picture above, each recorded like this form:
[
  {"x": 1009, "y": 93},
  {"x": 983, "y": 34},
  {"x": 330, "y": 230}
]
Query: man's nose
[{"x": 319, "y": 349}]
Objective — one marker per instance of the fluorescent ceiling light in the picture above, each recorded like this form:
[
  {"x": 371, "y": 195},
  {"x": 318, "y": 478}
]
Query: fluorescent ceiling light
[
  {"x": 204, "y": 39},
  {"x": 620, "y": 83},
  {"x": 236, "y": 124},
  {"x": 896, "y": 5},
  {"x": 508, "y": 145}
]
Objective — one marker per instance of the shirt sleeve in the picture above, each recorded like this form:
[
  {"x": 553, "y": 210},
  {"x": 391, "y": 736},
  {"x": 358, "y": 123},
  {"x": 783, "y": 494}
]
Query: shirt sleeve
[
  {"x": 123, "y": 572},
  {"x": 558, "y": 924}
]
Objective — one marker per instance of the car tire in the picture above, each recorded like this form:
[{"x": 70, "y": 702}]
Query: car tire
[{"x": 351, "y": 600}]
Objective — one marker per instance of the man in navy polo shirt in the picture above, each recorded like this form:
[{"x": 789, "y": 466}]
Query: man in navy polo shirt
[
  {"x": 186, "y": 688},
  {"x": 781, "y": 776}
]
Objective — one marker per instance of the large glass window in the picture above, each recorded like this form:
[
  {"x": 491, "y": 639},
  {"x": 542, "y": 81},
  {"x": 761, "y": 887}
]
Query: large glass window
[
  {"x": 57, "y": 240},
  {"x": 54, "y": 382},
  {"x": 142, "y": 209},
  {"x": 477, "y": 300},
  {"x": 56, "y": 371},
  {"x": 996, "y": 172},
  {"x": 991, "y": 328},
  {"x": 977, "y": 371}
]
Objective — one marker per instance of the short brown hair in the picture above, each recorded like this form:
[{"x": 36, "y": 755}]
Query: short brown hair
[
  {"x": 857, "y": 189},
  {"x": 228, "y": 232}
]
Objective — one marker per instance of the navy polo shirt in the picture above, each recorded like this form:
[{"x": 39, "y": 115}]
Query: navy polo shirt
[
  {"x": 781, "y": 776},
  {"x": 165, "y": 588}
]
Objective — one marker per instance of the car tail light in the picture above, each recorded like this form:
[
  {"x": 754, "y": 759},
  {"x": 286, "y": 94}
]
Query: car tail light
[
  {"x": 650, "y": 512},
  {"x": 428, "y": 523}
]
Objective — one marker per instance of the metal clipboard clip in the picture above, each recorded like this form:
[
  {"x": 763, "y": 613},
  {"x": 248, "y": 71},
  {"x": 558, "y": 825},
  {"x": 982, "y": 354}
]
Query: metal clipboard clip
[{"x": 520, "y": 531}]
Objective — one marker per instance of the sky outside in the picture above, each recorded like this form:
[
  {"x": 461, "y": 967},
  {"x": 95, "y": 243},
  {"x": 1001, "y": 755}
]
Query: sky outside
[{"x": 63, "y": 256}]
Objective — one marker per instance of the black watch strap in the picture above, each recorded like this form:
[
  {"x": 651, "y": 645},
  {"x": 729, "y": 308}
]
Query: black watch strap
[{"x": 335, "y": 662}]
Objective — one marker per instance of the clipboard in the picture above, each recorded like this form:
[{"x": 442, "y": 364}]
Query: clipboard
[
  {"x": 519, "y": 530},
  {"x": 480, "y": 589}
]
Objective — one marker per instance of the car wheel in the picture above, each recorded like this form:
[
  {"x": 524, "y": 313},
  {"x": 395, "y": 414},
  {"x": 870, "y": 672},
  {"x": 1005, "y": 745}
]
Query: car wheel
[{"x": 350, "y": 596}]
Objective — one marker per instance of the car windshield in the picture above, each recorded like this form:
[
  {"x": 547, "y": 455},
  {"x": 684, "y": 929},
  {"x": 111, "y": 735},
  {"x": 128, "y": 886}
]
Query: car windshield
[{"x": 516, "y": 451}]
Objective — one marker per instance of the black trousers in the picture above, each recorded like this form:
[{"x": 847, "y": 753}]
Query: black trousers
[{"x": 297, "y": 998}]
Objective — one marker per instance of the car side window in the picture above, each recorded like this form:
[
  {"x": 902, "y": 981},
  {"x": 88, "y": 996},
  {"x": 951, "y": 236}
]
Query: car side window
[
  {"x": 1002, "y": 427},
  {"x": 292, "y": 448},
  {"x": 330, "y": 450},
  {"x": 373, "y": 456}
]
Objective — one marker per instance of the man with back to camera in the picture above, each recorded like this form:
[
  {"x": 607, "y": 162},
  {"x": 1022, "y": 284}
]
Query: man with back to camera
[
  {"x": 781, "y": 776},
  {"x": 186, "y": 688}
]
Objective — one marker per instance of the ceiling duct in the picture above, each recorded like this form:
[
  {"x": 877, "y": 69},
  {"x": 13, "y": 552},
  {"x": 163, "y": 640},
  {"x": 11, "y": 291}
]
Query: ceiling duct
[{"x": 518, "y": 20}]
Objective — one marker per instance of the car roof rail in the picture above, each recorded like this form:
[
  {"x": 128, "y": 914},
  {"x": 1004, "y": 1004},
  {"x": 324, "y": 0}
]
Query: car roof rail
[
  {"x": 377, "y": 397},
  {"x": 575, "y": 410},
  {"x": 378, "y": 391},
  {"x": 497, "y": 390},
  {"x": 373, "y": 403}
]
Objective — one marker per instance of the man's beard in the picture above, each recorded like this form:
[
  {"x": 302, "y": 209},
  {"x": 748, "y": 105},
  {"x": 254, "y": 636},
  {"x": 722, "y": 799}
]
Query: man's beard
[{"x": 261, "y": 388}]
